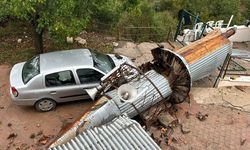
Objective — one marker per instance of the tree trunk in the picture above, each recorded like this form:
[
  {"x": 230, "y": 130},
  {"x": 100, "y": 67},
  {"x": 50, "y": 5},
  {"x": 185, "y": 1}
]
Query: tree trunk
[
  {"x": 37, "y": 34},
  {"x": 38, "y": 40}
]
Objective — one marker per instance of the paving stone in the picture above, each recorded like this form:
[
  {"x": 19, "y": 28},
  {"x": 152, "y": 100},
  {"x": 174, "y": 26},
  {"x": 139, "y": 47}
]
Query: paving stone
[{"x": 215, "y": 133}]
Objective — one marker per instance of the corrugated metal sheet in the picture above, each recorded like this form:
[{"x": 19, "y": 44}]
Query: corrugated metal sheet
[
  {"x": 207, "y": 64},
  {"x": 149, "y": 97},
  {"x": 121, "y": 133}
]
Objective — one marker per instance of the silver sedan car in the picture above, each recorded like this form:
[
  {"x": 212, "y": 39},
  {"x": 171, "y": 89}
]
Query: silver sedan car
[{"x": 62, "y": 76}]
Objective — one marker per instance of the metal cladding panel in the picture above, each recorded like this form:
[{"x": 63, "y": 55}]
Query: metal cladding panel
[
  {"x": 207, "y": 64},
  {"x": 149, "y": 95},
  {"x": 121, "y": 133}
]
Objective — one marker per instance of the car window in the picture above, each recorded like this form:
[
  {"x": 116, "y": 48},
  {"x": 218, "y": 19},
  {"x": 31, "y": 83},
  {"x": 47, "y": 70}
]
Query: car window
[
  {"x": 60, "y": 79},
  {"x": 102, "y": 62},
  {"x": 89, "y": 76},
  {"x": 30, "y": 69}
]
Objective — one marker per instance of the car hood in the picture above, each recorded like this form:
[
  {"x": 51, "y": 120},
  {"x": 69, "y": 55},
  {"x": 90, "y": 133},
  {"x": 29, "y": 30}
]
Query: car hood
[
  {"x": 16, "y": 75},
  {"x": 120, "y": 60}
]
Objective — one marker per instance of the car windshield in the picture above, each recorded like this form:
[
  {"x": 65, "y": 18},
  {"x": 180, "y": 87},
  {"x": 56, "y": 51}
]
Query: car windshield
[
  {"x": 102, "y": 62},
  {"x": 30, "y": 69}
]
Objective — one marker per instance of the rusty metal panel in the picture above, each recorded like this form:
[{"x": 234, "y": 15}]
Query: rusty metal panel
[{"x": 121, "y": 133}]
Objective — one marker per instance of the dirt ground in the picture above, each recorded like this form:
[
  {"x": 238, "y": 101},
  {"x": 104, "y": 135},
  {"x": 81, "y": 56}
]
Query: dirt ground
[{"x": 27, "y": 128}]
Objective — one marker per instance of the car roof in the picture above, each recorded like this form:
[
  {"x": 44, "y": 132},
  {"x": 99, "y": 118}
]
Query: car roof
[{"x": 65, "y": 59}]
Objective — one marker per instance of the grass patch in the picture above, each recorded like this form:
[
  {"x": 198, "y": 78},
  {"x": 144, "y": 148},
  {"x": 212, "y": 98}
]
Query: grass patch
[{"x": 13, "y": 56}]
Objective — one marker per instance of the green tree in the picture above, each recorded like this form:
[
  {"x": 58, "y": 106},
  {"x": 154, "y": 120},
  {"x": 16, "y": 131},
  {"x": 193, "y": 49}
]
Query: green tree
[
  {"x": 206, "y": 9},
  {"x": 246, "y": 10},
  {"x": 223, "y": 9},
  {"x": 141, "y": 22},
  {"x": 60, "y": 18}
]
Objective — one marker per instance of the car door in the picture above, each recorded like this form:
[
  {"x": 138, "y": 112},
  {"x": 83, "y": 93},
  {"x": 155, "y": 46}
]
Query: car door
[
  {"x": 62, "y": 87},
  {"x": 88, "y": 78}
]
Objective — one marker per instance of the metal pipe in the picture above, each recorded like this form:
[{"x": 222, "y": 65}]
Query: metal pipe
[{"x": 230, "y": 20}]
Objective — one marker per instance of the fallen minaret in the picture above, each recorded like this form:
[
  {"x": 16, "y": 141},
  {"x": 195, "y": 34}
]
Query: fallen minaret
[
  {"x": 139, "y": 93},
  {"x": 167, "y": 78}
]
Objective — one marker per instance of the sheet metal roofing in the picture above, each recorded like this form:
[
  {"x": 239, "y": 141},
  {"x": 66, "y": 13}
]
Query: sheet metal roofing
[{"x": 121, "y": 133}]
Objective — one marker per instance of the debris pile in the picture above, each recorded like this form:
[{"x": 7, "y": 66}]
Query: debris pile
[{"x": 168, "y": 78}]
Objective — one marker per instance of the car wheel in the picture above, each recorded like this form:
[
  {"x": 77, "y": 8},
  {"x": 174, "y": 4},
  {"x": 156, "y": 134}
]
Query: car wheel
[{"x": 45, "y": 104}]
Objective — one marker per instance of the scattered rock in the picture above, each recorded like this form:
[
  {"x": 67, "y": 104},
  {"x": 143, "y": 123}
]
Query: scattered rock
[
  {"x": 182, "y": 140},
  {"x": 14, "y": 145},
  {"x": 242, "y": 141},
  {"x": 38, "y": 125},
  {"x": 24, "y": 146},
  {"x": 39, "y": 133},
  {"x": 83, "y": 32},
  {"x": 157, "y": 140},
  {"x": 80, "y": 40},
  {"x": 168, "y": 136},
  {"x": 9, "y": 124},
  {"x": 187, "y": 114},
  {"x": 175, "y": 140},
  {"x": 201, "y": 117},
  {"x": 8, "y": 146},
  {"x": 26, "y": 36},
  {"x": 12, "y": 136},
  {"x": 163, "y": 132},
  {"x": 184, "y": 129},
  {"x": 43, "y": 140},
  {"x": 32, "y": 136},
  {"x": 25, "y": 128},
  {"x": 165, "y": 119},
  {"x": 1, "y": 107},
  {"x": 69, "y": 40},
  {"x": 19, "y": 40},
  {"x": 115, "y": 44}
]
